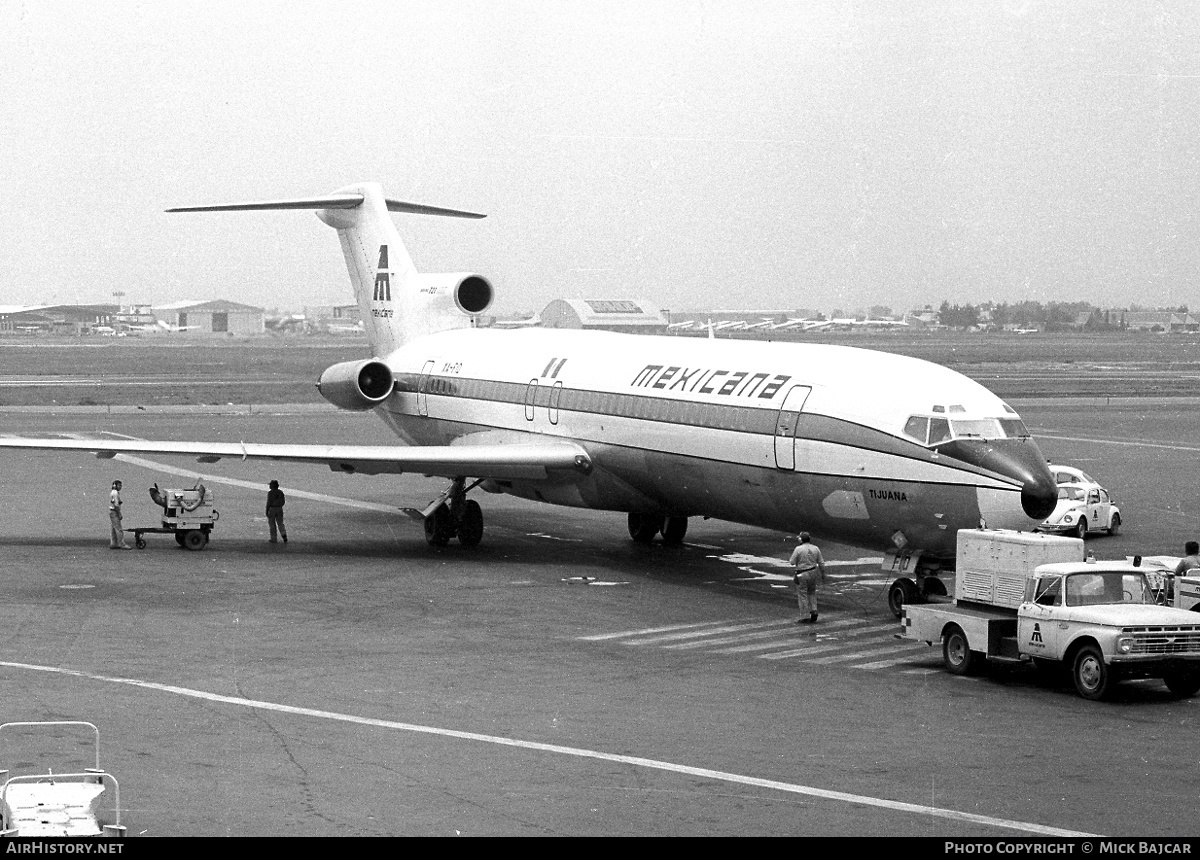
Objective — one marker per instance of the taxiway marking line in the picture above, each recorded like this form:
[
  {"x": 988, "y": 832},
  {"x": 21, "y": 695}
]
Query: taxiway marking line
[
  {"x": 1129, "y": 443},
  {"x": 578, "y": 752},
  {"x": 791, "y": 632},
  {"x": 729, "y": 628},
  {"x": 802, "y": 630},
  {"x": 601, "y": 637},
  {"x": 840, "y": 658},
  {"x": 828, "y": 645}
]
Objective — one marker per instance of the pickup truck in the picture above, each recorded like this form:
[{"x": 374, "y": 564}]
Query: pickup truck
[{"x": 1028, "y": 597}]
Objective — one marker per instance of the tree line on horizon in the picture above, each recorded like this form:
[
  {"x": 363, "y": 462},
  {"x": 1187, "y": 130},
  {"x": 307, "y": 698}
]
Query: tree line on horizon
[{"x": 1052, "y": 316}]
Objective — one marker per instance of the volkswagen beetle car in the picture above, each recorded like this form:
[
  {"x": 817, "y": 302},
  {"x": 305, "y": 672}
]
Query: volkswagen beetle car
[{"x": 1083, "y": 506}]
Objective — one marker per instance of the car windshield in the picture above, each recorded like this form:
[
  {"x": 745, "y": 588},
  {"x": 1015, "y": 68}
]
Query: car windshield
[
  {"x": 1072, "y": 494},
  {"x": 1105, "y": 586}
]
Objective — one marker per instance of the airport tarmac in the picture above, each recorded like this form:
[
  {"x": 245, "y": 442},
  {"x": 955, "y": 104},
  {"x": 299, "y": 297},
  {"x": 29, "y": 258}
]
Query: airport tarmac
[{"x": 558, "y": 679}]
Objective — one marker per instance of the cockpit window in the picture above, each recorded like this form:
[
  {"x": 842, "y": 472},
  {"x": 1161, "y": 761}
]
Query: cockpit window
[
  {"x": 1014, "y": 428},
  {"x": 932, "y": 430},
  {"x": 939, "y": 430},
  {"x": 981, "y": 428},
  {"x": 917, "y": 427}
]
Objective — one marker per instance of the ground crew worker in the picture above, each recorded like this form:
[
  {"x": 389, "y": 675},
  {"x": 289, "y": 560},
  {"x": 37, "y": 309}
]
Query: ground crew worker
[
  {"x": 1189, "y": 563},
  {"x": 810, "y": 570},
  {"x": 116, "y": 540},
  {"x": 275, "y": 500}
]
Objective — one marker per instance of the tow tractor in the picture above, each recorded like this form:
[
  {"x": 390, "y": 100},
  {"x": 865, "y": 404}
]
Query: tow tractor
[
  {"x": 187, "y": 514},
  {"x": 58, "y": 804},
  {"x": 1029, "y": 597}
]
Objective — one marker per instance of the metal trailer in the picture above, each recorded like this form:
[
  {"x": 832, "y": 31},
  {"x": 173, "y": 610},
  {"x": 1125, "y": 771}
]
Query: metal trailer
[
  {"x": 188, "y": 514},
  {"x": 59, "y": 804}
]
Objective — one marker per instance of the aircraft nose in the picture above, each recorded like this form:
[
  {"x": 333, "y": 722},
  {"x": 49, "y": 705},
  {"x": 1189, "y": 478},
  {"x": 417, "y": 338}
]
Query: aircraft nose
[
  {"x": 1039, "y": 496},
  {"x": 1020, "y": 459}
]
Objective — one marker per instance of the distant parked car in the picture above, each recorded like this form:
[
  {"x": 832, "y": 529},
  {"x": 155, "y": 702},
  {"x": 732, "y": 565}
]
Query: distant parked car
[{"x": 1083, "y": 506}]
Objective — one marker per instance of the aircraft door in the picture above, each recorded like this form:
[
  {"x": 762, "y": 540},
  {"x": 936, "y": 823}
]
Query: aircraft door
[
  {"x": 785, "y": 426},
  {"x": 423, "y": 389},
  {"x": 530, "y": 398},
  {"x": 555, "y": 393}
]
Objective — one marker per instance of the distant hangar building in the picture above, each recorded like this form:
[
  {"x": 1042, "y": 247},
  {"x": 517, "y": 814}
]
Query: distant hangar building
[
  {"x": 626, "y": 315},
  {"x": 213, "y": 317}
]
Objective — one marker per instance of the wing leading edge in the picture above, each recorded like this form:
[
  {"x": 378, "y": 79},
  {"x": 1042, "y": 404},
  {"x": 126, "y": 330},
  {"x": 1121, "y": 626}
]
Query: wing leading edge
[{"x": 522, "y": 461}]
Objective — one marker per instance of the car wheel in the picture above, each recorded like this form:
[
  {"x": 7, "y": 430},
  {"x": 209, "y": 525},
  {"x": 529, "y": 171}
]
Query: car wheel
[
  {"x": 1115, "y": 525},
  {"x": 1081, "y": 530}
]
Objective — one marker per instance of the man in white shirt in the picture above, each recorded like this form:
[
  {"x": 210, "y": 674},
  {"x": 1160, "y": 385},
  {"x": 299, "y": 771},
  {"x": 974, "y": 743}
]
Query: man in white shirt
[{"x": 116, "y": 540}]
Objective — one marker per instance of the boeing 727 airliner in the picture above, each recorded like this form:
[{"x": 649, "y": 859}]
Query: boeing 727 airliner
[{"x": 853, "y": 445}]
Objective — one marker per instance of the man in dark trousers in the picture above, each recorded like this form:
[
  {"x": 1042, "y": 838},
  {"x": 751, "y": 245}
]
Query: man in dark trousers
[{"x": 275, "y": 501}]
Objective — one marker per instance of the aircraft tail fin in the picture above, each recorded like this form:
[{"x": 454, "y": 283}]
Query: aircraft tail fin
[{"x": 387, "y": 287}]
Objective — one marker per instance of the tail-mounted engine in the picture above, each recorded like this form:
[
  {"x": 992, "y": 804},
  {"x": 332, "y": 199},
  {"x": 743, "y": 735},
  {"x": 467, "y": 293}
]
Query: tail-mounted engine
[
  {"x": 461, "y": 292},
  {"x": 356, "y": 385}
]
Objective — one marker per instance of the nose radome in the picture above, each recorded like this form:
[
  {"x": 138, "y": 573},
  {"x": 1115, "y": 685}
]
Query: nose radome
[{"x": 1039, "y": 496}]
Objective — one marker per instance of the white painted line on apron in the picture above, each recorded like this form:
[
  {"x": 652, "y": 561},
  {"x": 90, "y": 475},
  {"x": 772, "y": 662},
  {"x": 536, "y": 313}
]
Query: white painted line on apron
[{"x": 635, "y": 761}]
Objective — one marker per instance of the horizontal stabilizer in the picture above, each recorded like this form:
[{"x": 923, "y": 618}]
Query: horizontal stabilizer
[{"x": 329, "y": 201}]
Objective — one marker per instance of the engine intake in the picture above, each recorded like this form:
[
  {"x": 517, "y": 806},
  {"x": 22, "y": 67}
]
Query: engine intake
[
  {"x": 471, "y": 294},
  {"x": 356, "y": 385}
]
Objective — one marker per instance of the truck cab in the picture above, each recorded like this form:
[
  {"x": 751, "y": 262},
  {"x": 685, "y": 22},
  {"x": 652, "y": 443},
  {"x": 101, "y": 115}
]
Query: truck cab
[
  {"x": 1032, "y": 597},
  {"x": 1102, "y": 621}
]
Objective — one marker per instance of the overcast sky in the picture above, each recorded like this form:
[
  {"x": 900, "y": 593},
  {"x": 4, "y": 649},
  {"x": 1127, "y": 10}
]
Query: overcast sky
[{"x": 746, "y": 154}]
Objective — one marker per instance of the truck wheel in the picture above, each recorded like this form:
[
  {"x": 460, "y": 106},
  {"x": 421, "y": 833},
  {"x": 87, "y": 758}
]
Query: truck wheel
[
  {"x": 957, "y": 653},
  {"x": 902, "y": 591},
  {"x": 193, "y": 540},
  {"x": 1183, "y": 683},
  {"x": 1093, "y": 679}
]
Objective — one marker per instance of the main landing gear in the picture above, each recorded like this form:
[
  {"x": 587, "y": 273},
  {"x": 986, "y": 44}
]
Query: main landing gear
[
  {"x": 454, "y": 515},
  {"x": 644, "y": 527}
]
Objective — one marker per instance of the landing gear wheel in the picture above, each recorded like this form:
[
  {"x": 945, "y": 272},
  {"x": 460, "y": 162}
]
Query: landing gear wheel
[
  {"x": 1183, "y": 683},
  {"x": 902, "y": 591},
  {"x": 957, "y": 653},
  {"x": 470, "y": 529},
  {"x": 674, "y": 530},
  {"x": 193, "y": 540},
  {"x": 1114, "y": 527},
  {"x": 643, "y": 527},
  {"x": 1093, "y": 679},
  {"x": 439, "y": 526}
]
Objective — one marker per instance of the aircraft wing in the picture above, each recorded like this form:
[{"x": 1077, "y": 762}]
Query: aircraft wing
[{"x": 528, "y": 461}]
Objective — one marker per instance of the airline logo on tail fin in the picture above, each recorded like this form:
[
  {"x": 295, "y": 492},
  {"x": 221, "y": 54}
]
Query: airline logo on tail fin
[{"x": 383, "y": 278}]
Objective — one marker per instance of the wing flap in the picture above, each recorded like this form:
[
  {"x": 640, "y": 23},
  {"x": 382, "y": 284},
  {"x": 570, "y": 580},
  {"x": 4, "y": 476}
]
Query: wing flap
[{"x": 525, "y": 461}]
